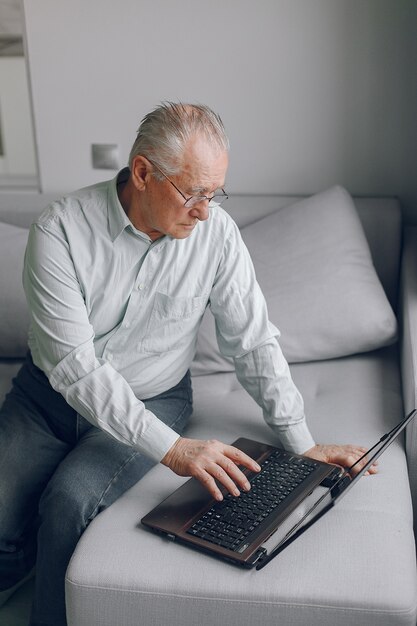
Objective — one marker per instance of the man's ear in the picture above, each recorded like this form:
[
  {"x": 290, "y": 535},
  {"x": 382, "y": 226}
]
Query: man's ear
[{"x": 140, "y": 172}]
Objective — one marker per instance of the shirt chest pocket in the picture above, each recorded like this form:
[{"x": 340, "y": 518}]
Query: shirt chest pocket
[{"x": 173, "y": 322}]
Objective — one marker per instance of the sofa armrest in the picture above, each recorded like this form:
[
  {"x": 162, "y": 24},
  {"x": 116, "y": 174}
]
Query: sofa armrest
[{"x": 408, "y": 319}]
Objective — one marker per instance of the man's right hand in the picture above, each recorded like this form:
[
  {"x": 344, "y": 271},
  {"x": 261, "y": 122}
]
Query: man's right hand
[{"x": 208, "y": 461}]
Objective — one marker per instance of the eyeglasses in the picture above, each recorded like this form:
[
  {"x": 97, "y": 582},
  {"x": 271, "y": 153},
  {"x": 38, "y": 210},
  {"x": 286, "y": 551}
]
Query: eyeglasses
[{"x": 191, "y": 201}]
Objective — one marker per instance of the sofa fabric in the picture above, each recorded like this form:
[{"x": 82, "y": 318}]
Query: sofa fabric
[
  {"x": 408, "y": 313},
  {"x": 314, "y": 266},
  {"x": 357, "y": 565}
]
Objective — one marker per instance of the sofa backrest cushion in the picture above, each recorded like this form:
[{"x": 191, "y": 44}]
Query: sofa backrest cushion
[
  {"x": 381, "y": 219},
  {"x": 14, "y": 317},
  {"x": 313, "y": 263}
]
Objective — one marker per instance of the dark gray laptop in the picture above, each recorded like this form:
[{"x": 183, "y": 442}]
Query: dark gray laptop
[{"x": 237, "y": 528}]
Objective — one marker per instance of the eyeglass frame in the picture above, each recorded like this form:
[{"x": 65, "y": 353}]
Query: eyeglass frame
[{"x": 199, "y": 198}]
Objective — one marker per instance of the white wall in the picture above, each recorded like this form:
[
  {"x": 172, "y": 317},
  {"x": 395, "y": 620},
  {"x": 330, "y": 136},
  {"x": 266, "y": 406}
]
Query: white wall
[
  {"x": 312, "y": 92},
  {"x": 18, "y": 163}
]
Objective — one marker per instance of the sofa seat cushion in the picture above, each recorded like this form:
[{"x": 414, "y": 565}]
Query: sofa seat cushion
[{"x": 355, "y": 566}]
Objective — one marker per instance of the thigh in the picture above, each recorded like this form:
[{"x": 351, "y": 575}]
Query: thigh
[
  {"x": 29, "y": 454},
  {"x": 96, "y": 472},
  {"x": 99, "y": 469},
  {"x": 174, "y": 407}
]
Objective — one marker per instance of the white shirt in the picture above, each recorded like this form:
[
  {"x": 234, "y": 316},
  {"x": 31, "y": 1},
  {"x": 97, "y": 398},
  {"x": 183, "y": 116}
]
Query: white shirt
[{"x": 115, "y": 316}]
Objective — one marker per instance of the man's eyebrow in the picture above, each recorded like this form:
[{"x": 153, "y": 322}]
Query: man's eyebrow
[
  {"x": 198, "y": 190},
  {"x": 203, "y": 190}
]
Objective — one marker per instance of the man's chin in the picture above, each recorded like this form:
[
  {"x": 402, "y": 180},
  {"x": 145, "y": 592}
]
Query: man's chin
[{"x": 183, "y": 231}]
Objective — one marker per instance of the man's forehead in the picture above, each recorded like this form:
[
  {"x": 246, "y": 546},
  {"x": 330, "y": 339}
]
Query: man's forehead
[
  {"x": 204, "y": 165},
  {"x": 200, "y": 146}
]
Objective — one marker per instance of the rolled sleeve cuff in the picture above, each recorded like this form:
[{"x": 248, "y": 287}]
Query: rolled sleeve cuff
[
  {"x": 296, "y": 438},
  {"x": 156, "y": 440}
]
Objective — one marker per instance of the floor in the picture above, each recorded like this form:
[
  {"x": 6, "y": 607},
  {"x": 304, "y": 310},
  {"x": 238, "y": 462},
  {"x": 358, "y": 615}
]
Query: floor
[{"x": 16, "y": 611}]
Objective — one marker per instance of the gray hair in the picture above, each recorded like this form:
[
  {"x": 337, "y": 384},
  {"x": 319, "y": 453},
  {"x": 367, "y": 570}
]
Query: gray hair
[{"x": 165, "y": 131}]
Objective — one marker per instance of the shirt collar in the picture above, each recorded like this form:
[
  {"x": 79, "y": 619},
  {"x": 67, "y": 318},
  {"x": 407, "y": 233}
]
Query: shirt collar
[
  {"x": 118, "y": 221},
  {"x": 117, "y": 218}
]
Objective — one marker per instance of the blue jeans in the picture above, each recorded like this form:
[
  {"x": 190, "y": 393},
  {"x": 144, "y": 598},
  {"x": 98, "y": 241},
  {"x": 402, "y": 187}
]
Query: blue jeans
[{"x": 57, "y": 472}]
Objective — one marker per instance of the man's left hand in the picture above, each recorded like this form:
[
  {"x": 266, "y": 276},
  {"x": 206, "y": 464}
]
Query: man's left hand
[{"x": 345, "y": 456}]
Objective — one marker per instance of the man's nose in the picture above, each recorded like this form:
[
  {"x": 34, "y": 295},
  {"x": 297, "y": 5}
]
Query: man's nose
[{"x": 201, "y": 210}]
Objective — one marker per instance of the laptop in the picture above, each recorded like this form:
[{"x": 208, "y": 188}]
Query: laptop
[{"x": 282, "y": 503}]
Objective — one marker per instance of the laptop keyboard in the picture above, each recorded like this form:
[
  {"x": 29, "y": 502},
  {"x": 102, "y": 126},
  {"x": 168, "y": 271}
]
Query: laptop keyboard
[{"x": 230, "y": 523}]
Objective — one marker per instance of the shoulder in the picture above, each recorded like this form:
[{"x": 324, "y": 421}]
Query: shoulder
[{"x": 83, "y": 205}]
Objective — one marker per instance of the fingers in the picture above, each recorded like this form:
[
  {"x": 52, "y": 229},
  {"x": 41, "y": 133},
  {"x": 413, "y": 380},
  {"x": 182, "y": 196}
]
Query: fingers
[
  {"x": 231, "y": 474},
  {"x": 208, "y": 478},
  {"x": 353, "y": 454},
  {"x": 223, "y": 468},
  {"x": 211, "y": 461},
  {"x": 372, "y": 470},
  {"x": 346, "y": 456},
  {"x": 240, "y": 458}
]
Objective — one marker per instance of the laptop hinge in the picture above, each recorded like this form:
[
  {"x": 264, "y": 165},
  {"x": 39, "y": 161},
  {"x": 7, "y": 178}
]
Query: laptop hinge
[
  {"x": 332, "y": 478},
  {"x": 257, "y": 556}
]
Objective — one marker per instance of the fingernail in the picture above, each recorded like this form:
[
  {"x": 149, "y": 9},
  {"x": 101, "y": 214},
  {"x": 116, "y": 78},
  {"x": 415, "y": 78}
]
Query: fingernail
[
  {"x": 219, "y": 497},
  {"x": 246, "y": 486},
  {"x": 236, "y": 492}
]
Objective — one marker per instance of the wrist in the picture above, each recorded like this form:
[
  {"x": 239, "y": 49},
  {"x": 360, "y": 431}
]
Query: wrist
[{"x": 170, "y": 454}]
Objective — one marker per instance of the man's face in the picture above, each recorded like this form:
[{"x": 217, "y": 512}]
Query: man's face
[{"x": 162, "y": 212}]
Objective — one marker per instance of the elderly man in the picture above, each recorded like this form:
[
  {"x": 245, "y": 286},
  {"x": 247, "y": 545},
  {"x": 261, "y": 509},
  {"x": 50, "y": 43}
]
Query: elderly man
[{"x": 117, "y": 278}]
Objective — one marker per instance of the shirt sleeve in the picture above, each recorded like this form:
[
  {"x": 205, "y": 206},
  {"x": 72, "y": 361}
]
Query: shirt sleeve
[
  {"x": 265, "y": 375},
  {"x": 245, "y": 333},
  {"x": 61, "y": 340}
]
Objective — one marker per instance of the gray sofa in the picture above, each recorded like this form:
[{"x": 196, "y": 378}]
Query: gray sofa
[{"x": 357, "y": 374}]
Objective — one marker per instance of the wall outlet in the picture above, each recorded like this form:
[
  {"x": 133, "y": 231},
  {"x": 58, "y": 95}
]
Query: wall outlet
[{"x": 105, "y": 156}]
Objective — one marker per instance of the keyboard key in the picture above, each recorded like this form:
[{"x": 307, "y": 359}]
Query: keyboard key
[{"x": 228, "y": 523}]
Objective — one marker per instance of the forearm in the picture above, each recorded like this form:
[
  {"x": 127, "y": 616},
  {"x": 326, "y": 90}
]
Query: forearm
[
  {"x": 265, "y": 375},
  {"x": 100, "y": 394}
]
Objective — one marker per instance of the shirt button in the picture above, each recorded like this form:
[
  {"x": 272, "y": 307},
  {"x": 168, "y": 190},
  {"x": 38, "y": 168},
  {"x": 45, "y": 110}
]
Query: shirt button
[
  {"x": 109, "y": 356},
  {"x": 141, "y": 286},
  {"x": 126, "y": 324}
]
